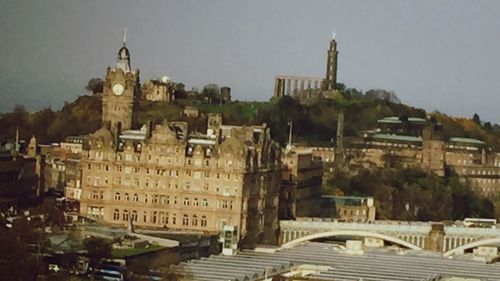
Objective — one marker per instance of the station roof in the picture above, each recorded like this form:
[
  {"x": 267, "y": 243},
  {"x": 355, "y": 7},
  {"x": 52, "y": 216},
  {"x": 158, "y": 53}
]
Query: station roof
[{"x": 336, "y": 265}]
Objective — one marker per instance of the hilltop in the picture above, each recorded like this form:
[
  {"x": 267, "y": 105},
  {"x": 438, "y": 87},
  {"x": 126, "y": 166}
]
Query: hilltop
[{"x": 314, "y": 123}]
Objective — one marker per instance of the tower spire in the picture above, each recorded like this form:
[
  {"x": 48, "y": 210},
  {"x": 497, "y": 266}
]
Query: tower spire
[{"x": 124, "y": 36}]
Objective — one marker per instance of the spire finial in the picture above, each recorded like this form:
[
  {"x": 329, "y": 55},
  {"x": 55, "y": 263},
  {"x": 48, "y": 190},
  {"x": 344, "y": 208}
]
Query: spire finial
[
  {"x": 333, "y": 34},
  {"x": 124, "y": 36}
]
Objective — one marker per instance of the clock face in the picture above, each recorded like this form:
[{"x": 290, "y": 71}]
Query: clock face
[{"x": 118, "y": 89}]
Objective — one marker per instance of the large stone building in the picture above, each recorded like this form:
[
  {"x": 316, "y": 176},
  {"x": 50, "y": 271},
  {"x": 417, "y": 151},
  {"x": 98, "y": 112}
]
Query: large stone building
[
  {"x": 162, "y": 176},
  {"x": 60, "y": 169},
  {"x": 301, "y": 184},
  {"x": 422, "y": 146},
  {"x": 159, "y": 90}
]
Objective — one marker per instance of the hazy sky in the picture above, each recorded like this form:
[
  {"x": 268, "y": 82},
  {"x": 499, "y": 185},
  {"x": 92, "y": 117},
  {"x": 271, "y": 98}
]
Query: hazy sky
[{"x": 439, "y": 55}]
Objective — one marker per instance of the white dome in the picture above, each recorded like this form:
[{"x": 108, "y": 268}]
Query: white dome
[{"x": 165, "y": 79}]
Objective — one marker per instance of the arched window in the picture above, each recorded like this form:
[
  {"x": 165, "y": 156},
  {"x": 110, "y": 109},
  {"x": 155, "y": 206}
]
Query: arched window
[
  {"x": 186, "y": 201},
  {"x": 125, "y": 215},
  {"x": 134, "y": 216},
  {"x": 116, "y": 215},
  {"x": 194, "y": 221},
  {"x": 174, "y": 219},
  {"x": 154, "y": 217},
  {"x": 127, "y": 198},
  {"x": 145, "y": 216},
  {"x": 195, "y": 202},
  {"x": 204, "y": 203},
  {"x": 135, "y": 198},
  {"x": 162, "y": 218},
  {"x": 203, "y": 221},
  {"x": 185, "y": 220},
  {"x": 117, "y": 196}
]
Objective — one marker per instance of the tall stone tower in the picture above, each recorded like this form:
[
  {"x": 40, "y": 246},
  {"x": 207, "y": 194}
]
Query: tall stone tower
[
  {"x": 120, "y": 92},
  {"x": 330, "y": 82}
]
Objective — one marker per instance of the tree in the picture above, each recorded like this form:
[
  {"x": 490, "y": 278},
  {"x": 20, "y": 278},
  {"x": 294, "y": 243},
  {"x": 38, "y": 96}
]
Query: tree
[
  {"x": 476, "y": 119},
  {"x": 97, "y": 249},
  {"x": 95, "y": 85},
  {"x": 179, "y": 91},
  {"x": 382, "y": 95},
  {"x": 211, "y": 93}
]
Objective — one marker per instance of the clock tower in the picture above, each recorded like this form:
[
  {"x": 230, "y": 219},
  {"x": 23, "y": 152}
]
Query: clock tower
[{"x": 120, "y": 92}]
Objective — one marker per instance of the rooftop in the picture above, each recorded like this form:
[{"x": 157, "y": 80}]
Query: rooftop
[
  {"x": 467, "y": 140},
  {"x": 335, "y": 265},
  {"x": 397, "y": 120},
  {"x": 394, "y": 137}
]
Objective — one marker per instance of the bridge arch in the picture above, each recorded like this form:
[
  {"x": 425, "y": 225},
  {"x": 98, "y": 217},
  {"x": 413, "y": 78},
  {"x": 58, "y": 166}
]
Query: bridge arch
[
  {"x": 460, "y": 249},
  {"x": 359, "y": 233}
]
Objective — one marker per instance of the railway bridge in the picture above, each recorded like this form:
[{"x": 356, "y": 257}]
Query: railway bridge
[{"x": 447, "y": 239}]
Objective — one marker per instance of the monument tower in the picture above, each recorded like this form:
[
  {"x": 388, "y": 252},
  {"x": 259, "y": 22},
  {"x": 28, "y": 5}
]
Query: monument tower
[{"x": 330, "y": 82}]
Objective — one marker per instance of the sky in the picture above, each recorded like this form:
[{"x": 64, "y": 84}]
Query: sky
[{"x": 438, "y": 55}]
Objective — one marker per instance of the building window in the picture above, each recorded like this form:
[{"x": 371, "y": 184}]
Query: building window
[
  {"x": 135, "y": 198},
  {"x": 168, "y": 200},
  {"x": 134, "y": 216},
  {"x": 127, "y": 197},
  {"x": 195, "y": 202},
  {"x": 154, "y": 217},
  {"x": 162, "y": 218},
  {"x": 145, "y": 216},
  {"x": 203, "y": 221},
  {"x": 117, "y": 196},
  {"x": 125, "y": 215},
  {"x": 155, "y": 199},
  {"x": 204, "y": 203},
  {"x": 194, "y": 221},
  {"x": 145, "y": 198},
  {"x": 186, "y": 201},
  {"x": 185, "y": 220},
  {"x": 116, "y": 215},
  {"x": 174, "y": 219},
  {"x": 224, "y": 204}
]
